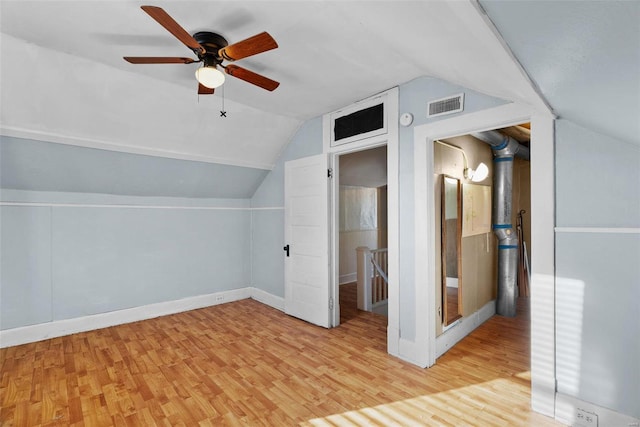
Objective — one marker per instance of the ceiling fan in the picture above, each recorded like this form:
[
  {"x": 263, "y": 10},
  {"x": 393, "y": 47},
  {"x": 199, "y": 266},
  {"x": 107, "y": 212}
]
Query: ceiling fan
[{"x": 212, "y": 50}]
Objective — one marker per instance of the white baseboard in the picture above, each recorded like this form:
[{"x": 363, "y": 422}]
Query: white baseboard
[
  {"x": 267, "y": 298},
  {"x": 412, "y": 352},
  {"x": 463, "y": 327},
  {"x": 348, "y": 278},
  {"x": 58, "y": 328},
  {"x": 567, "y": 407}
]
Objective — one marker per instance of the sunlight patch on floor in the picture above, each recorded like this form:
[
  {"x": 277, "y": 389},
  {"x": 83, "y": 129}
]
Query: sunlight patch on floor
[
  {"x": 524, "y": 375},
  {"x": 496, "y": 402}
]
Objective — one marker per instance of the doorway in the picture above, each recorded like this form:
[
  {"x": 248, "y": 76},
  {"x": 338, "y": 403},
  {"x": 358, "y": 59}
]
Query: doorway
[
  {"x": 542, "y": 241},
  {"x": 385, "y": 134},
  {"x": 362, "y": 229},
  {"x": 468, "y": 203}
]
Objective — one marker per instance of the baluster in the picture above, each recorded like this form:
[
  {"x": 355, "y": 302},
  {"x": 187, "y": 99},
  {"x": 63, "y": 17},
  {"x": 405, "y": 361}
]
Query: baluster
[
  {"x": 386, "y": 271},
  {"x": 364, "y": 278}
]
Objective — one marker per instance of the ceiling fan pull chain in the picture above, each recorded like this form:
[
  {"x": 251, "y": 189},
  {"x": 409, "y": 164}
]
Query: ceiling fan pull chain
[{"x": 223, "y": 113}]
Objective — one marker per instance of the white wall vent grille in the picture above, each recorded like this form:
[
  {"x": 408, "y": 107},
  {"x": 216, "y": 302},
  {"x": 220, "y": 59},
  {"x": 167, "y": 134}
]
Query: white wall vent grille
[{"x": 448, "y": 105}]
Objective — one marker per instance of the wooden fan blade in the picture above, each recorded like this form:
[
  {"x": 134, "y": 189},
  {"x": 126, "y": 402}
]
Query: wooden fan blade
[
  {"x": 173, "y": 27},
  {"x": 157, "y": 60},
  {"x": 203, "y": 90},
  {"x": 251, "y": 77},
  {"x": 253, "y": 45}
]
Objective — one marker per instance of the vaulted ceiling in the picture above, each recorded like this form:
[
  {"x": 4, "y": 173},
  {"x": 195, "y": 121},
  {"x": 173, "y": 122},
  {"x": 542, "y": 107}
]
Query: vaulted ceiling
[
  {"x": 584, "y": 56},
  {"x": 64, "y": 80}
]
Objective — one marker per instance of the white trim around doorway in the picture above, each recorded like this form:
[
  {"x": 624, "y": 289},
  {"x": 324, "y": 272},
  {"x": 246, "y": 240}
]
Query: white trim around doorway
[
  {"x": 390, "y": 139},
  {"x": 542, "y": 245}
]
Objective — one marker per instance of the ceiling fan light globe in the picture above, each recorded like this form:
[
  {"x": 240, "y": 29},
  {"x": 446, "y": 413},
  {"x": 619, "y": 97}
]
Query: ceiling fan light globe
[
  {"x": 209, "y": 77},
  {"x": 481, "y": 173}
]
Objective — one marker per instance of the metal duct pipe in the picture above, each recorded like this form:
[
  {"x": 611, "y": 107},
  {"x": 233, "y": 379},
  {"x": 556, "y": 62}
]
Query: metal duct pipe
[
  {"x": 504, "y": 149},
  {"x": 507, "y": 238},
  {"x": 499, "y": 141}
]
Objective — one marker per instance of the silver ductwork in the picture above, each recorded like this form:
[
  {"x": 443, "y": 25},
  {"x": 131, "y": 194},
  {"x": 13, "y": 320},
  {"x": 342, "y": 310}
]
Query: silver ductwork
[
  {"x": 500, "y": 142},
  {"x": 504, "y": 150}
]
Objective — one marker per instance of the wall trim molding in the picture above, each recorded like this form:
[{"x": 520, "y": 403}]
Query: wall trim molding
[
  {"x": 123, "y": 206},
  {"x": 17, "y": 132},
  {"x": 58, "y": 328},
  {"x": 464, "y": 327},
  {"x": 272, "y": 208},
  {"x": 132, "y": 206},
  {"x": 567, "y": 406},
  {"x": 612, "y": 230}
]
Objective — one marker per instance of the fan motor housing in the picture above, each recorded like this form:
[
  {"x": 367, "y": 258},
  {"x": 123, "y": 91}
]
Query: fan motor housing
[{"x": 212, "y": 42}]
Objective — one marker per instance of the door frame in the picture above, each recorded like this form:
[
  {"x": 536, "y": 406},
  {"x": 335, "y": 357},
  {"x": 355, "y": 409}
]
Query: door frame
[
  {"x": 542, "y": 232},
  {"x": 334, "y": 223},
  {"x": 390, "y": 139}
]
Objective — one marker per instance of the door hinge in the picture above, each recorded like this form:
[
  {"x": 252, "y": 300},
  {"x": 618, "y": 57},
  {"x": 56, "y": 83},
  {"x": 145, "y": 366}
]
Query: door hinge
[
  {"x": 331, "y": 303},
  {"x": 329, "y": 173}
]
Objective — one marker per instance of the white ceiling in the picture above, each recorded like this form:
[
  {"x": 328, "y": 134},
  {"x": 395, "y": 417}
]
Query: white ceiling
[
  {"x": 62, "y": 60},
  {"x": 63, "y": 78}
]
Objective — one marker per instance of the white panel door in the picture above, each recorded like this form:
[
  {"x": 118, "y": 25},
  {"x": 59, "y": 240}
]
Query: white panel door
[{"x": 306, "y": 291}]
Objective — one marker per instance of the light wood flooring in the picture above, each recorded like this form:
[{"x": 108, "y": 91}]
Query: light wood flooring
[{"x": 244, "y": 363}]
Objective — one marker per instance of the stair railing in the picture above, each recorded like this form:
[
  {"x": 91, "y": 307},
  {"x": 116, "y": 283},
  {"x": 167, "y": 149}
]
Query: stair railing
[{"x": 373, "y": 287}]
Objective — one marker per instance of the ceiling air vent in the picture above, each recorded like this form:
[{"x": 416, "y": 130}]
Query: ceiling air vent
[{"x": 449, "y": 105}]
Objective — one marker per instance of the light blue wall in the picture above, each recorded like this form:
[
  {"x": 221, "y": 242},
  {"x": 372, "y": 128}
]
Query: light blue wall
[
  {"x": 414, "y": 96},
  {"x": 268, "y": 225},
  {"x": 67, "y": 253},
  {"x": 43, "y": 166},
  {"x": 60, "y": 262},
  {"x": 110, "y": 259},
  {"x": 307, "y": 141},
  {"x": 597, "y": 320},
  {"x": 268, "y": 211},
  {"x": 267, "y": 263},
  {"x": 597, "y": 179},
  {"x": 25, "y": 266},
  {"x": 116, "y": 230},
  {"x": 597, "y": 274}
]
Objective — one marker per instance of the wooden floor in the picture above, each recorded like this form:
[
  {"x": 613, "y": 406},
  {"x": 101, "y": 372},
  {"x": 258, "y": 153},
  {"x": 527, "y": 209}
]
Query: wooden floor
[{"x": 244, "y": 363}]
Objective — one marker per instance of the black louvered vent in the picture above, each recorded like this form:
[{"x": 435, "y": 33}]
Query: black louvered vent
[{"x": 363, "y": 121}]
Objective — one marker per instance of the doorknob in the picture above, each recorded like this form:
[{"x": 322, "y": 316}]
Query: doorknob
[{"x": 286, "y": 249}]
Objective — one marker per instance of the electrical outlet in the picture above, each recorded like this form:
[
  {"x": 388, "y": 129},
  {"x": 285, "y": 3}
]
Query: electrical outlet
[
  {"x": 219, "y": 298},
  {"x": 586, "y": 418}
]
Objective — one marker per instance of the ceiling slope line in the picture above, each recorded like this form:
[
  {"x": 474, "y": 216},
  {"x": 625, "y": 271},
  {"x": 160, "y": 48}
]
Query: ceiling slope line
[
  {"x": 490, "y": 25},
  {"x": 16, "y": 132}
]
